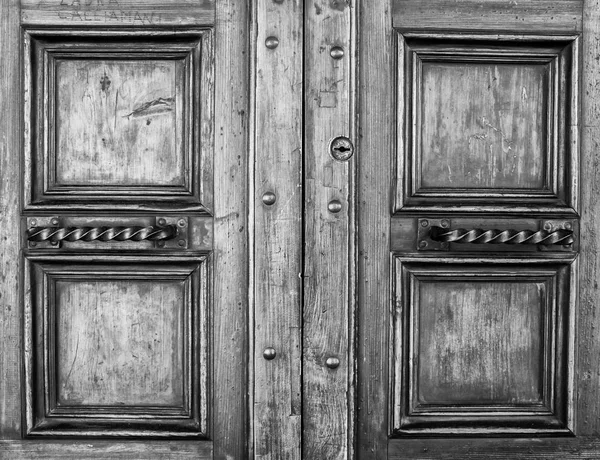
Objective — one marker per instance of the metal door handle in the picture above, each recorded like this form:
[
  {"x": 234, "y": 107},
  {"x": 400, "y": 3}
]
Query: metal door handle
[
  {"x": 493, "y": 236},
  {"x": 58, "y": 234}
]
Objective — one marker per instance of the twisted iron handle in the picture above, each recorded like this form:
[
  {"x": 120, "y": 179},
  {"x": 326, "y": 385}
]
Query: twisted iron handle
[
  {"x": 480, "y": 236},
  {"x": 55, "y": 234}
]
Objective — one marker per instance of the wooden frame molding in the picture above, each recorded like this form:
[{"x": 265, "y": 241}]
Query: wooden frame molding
[
  {"x": 189, "y": 54},
  {"x": 49, "y": 415}
]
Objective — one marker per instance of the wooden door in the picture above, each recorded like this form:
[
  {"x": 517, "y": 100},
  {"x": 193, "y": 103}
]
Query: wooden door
[
  {"x": 125, "y": 244},
  {"x": 477, "y": 209}
]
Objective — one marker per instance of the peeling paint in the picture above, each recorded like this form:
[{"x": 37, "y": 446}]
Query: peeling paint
[{"x": 155, "y": 107}]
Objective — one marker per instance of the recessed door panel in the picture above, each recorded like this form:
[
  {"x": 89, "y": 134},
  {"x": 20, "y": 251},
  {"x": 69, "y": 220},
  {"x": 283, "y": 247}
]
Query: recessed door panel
[{"x": 117, "y": 350}]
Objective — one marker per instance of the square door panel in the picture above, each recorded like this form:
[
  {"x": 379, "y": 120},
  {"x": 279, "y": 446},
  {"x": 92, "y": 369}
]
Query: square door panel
[
  {"x": 124, "y": 121},
  {"x": 481, "y": 348},
  {"x": 487, "y": 122},
  {"x": 116, "y": 350}
]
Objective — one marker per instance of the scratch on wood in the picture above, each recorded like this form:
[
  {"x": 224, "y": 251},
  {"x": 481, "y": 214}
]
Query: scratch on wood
[{"x": 155, "y": 107}]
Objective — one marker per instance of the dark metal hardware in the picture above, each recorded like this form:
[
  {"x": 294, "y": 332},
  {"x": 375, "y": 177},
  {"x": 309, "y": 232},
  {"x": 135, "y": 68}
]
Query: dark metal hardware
[
  {"x": 437, "y": 235},
  {"x": 493, "y": 236},
  {"x": 57, "y": 234}
]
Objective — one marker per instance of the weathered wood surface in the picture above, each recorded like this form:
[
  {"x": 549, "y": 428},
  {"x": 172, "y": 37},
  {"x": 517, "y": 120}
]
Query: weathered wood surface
[
  {"x": 120, "y": 122},
  {"x": 278, "y": 230},
  {"x": 483, "y": 125},
  {"x": 230, "y": 317},
  {"x": 580, "y": 448},
  {"x": 10, "y": 145},
  {"x": 491, "y": 354},
  {"x": 328, "y": 257},
  {"x": 106, "y": 450},
  {"x": 527, "y": 16},
  {"x": 375, "y": 144},
  {"x": 588, "y": 324},
  {"x": 118, "y": 12},
  {"x": 119, "y": 342}
]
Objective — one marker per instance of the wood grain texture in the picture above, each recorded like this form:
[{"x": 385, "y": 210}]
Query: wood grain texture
[
  {"x": 555, "y": 16},
  {"x": 230, "y": 430},
  {"x": 120, "y": 123},
  {"x": 120, "y": 342},
  {"x": 278, "y": 231},
  {"x": 118, "y": 12},
  {"x": 580, "y": 448},
  {"x": 328, "y": 260},
  {"x": 105, "y": 450},
  {"x": 588, "y": 324},
  {"x": 375, "y": 144},
  {"x": 480, "y": 342},
  {"x": 484, "y": 125},
  {"x": 10, "y": 145}
]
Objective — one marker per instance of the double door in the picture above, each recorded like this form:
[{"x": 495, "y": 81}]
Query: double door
[{"x": 287, "y": 229}]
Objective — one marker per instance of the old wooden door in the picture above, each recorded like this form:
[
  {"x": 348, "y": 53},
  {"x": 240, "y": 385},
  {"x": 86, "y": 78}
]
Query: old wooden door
[
  {"x": 477, "y": 243},
  {"x": 283, "y": 229},
  {"x": 124, "y": 261}
]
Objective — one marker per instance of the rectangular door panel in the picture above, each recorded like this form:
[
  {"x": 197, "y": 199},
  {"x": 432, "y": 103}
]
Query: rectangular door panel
[
  {"x": 117, "y": 118},
  {"x": 482, "y": 347},
  {"x": 116, "y": 349},
  {"x": 487, "y": 121}
]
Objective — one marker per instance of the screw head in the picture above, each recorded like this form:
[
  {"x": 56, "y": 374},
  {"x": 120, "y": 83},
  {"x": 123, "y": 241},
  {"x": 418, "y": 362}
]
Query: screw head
[
  {"x": 54, "y": 221},
  {"x": 181, "y": 243},
  {"x": 269, "y": 353},
  {"x": 334, "y": 206},
  {"x": 272, "y": 42},
  {"x": 181, "y": 222},
  {"x": 568, "y": 226},
  {"x": 269, "y": 198},
  {"x": 33, "y": 244},
  {"x": 332, "y": 362},
  {"x": 33, "y": 222},
  {"x": 548, "y": 226},
  {"x": 161, "y": 221},
  {"x": 336, "y": 52},
  {"x": 424, "y": 223},
  {"x": 422, "y": 244},
  {"x": 445, "y": 223}
]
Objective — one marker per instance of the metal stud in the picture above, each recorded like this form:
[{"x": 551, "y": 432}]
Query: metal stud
[
  {"x": 334, "y": 206},
  {"x": 332, "y": 363},
  {"x": 54, "y": 221},
  {"x": 33, "y": 222},
  {"x": 161, "y": 222},
  {"x": 272, "y": 42},
  {"x": 445, "y": 223},
  {"x": 269, "y": 353},
  {"x": 336, "y": 52},
  {"x": 269, "y": 198},
  {"x": 181, "y": 222}
]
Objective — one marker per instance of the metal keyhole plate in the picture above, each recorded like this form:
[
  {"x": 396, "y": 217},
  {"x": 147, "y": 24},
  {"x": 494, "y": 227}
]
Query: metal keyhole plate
[{"x": 341, "y": 148}]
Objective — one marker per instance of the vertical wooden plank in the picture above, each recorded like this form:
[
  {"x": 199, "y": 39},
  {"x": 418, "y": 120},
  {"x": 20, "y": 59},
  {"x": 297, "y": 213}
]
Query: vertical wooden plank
[
  {"x": 278, "y": 229},
  {"x": 10, "y": 148},
  {"x": 374, "y": 153},
  {"x": 588, "y": 335},
  {"x": 230, "y": 310},
  {"x": 328, "y": 76}
]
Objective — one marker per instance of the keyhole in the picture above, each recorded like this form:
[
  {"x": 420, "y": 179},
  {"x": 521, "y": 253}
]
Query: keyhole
[{"x": 341, "y": 148}]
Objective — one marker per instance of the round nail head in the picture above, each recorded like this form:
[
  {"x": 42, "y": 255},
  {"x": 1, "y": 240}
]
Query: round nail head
[
  {"x": 337, "y": 52},
  {"x": 272, "y": 42},
  {"x": 334, "y": 206},
  {"x": 332, "y": 363},
  {"x": 269, "y": 353},
  {"x": 269, "y": 198}
]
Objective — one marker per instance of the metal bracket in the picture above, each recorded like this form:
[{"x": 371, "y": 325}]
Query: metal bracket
[
  {"x": 182, "y": 239},
  {"x": 424, "y": 241},
  {"x": 45, "y": 221},
  {"x": 554, "y": 225}
]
